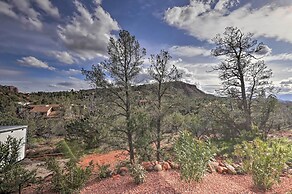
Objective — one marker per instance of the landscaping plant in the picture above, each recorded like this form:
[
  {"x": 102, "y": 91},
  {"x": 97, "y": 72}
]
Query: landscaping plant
[
  {"x": 69, "y": 179},
  {"x": 265, "y": 160},
  {"x": 138, "y": 173},
  {"x": 104, "y": 171},
  {"x": 193, "y": 156},
  {"x": 13, "y": 176}
]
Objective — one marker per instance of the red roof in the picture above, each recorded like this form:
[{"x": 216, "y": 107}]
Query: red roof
[{"x": 40, "y": 108}]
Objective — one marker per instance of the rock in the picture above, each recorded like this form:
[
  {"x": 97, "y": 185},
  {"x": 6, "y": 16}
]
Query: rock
[
  {"x": 123, "y": 171},
  {"x": 230, "y": 169},
  {"x": 214, "y": 164},
  {"x": 211, "y": 168},
  {"x": 289, "y": 171},
  {"x": 116, "y": 176},
  {"x": 221, "y": 164},
  {"x": 158, "y": 167},
  {"x": 173, "y": 165},
  {"x": 148, "y": 166},
  {"x": 166, "y": 166},
  {"x": 221, "y": 170}
]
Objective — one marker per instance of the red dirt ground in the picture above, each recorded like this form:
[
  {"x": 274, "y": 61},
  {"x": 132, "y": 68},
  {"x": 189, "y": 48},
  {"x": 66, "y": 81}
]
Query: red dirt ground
[
  {"x": 111, "y": 158},
  {"x": 169, "y": 181}
]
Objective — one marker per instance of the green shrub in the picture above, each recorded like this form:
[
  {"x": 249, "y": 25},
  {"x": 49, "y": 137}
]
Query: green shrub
[
  {"x": 104, "y": 171},
  {"x": 69, "y": 179},
  {"x": 13, "y": 176},
  {"x": 138, "y": 173},
  {"x": 193, "y": 156},
  {"x": 265, "y": 160}
]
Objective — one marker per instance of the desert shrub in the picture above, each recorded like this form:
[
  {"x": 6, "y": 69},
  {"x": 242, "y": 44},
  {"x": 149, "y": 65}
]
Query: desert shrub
[
  {"x": 138, "y": 173},
  {"x": 104, "y": 171},
  {"x": 13, "y": 177},
  {"x": 193, "y": 156},
  {"x": 69, "y": 179},
  {"x": 265, "y": 160}
]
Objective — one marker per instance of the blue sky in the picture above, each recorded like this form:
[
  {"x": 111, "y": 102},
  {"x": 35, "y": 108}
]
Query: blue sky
[{"x": 45, "y": 43}]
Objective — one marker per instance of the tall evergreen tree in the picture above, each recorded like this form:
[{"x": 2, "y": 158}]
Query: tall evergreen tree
[
  {"x": 162, "y": 74},
  {"x": 243, "y": 75},
  {"x": 116, "y": 76}
]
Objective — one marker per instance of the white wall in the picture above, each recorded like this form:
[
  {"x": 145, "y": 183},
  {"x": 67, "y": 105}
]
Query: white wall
[{"x": 18, "y": 134}]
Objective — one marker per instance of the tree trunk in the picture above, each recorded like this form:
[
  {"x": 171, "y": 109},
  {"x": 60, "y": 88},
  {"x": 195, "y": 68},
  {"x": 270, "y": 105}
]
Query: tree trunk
[
  {"x": 131, "y": 148},
  {"x": 158, "y": 147},
  {"x": 128, "y": 120},
  {"x": 158, "y": 129},
  {"x": 244, "y": 100}
]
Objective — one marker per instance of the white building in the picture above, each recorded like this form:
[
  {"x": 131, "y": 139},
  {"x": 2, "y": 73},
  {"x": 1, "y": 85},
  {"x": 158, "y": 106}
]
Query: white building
[{"x": 18, "y": 132}]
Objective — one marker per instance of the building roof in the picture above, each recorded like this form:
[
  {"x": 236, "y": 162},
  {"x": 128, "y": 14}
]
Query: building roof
[
  {"x": 41, "y": 108},
  {"x": 11, "y": 128}
]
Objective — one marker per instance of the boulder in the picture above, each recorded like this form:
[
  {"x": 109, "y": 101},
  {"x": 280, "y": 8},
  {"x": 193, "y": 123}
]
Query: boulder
[
  {"x": 211, "y": 168},
  {"x": 166, "y": 166},
  {"x": 221, "y": 164},
  {"x": 158, "y": 167},
  {"x": 214, "y": 164},
  {"x": 230, "y": 169},
  {"x": 148, "y": 166},
  {"x": 221, "y": 170},
  {"x": 173, "y": 165}
]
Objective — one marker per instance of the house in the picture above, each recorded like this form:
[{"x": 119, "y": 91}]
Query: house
[
  {"x": 18, "y": 132},
  {"x": 48, "y": 111},
  {"x": 41, "y": 110}
]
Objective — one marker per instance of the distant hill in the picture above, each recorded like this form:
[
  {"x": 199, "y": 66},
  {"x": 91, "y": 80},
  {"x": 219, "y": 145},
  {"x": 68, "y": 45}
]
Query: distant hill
[{"x": 176, "y": 88}]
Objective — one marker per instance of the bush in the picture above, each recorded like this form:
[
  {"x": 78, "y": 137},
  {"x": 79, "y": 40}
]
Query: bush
[
  {"x": 13, "y": 177},
  {"x": 69, "y": 179},
  {"x": 138, "y": 173},
  {"x": 265, "y": 160},
  {"x": 104, "y": 171},
  {"x": 193, "y": 156}
]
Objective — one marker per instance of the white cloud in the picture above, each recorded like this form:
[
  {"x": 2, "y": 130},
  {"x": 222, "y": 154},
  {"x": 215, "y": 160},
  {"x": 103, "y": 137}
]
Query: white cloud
[
  {"x": 27, "y": 15},
  {"x": 62, "y": 56},
  {"x": 87, "y": 34},
  {"x": 198, "y": 74},
  {"x": 71, "y": 72},
  {"x": 201, "y": 20},
  {"x": 47, "y": 6},
  {"x": 6, "y": 9},
  {"x": 189, "y": 51},
  {"x": 23, "y": 11},
  {"x": 34, "y": 62},
  {"x": 279, "y": 57},
  {"x": 8, "y": 72},
  {"x": 97, "y": 2}
]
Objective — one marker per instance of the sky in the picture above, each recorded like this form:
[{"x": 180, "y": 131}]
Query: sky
[{"x": 45, "y": 43}]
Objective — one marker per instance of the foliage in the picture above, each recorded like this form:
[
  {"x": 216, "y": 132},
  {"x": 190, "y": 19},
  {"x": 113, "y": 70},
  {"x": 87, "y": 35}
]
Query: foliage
[
  {"x": 193, "y": 156},
  {"x": 66, "y": 150},
  {"x": 89, "y": 131},
  {"x": 13, "y": 177},
  {"x": 141, "y": 122},
  {"x": 264, "y": 159},
  {"x": 116, "y": 75},
  {"x": 138, "y": 173},
  {"x": 104, "y": 171},
  {"x": 69, "y": 179},
  {"x": 244, "y": 77},
  {"x": 160, "y": 72}
]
